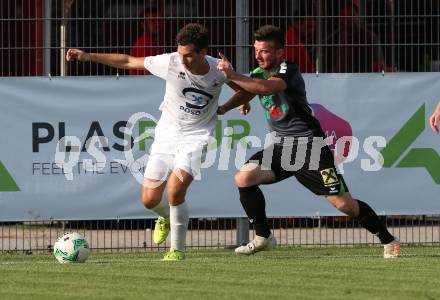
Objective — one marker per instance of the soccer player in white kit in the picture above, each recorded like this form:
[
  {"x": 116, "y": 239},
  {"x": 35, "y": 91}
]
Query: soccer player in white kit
[{"x": 189, "y": 114}]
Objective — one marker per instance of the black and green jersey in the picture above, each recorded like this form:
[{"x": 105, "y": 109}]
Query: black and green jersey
[{"x": 288, "y": 113}]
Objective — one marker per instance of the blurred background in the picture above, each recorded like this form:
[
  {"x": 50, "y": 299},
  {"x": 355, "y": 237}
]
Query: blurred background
[{"x": 330, "y": 36}]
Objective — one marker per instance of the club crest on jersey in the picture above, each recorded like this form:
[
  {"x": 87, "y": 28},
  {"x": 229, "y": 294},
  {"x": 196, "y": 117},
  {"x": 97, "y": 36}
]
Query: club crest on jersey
[
  {"x": 181, "y": 75},
  {"x": 273, "y": 111}
]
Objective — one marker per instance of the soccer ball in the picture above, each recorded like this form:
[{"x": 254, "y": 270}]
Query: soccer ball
[{"x": 71, "y": 248}]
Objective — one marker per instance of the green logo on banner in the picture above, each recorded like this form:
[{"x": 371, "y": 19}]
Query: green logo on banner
[
  {"x": 7, "y": 183},
  {"x": 426, "y": 158}
]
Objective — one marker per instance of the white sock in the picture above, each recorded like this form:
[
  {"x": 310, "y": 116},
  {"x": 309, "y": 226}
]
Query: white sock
[
  {"x": 163, "y": 208},
  {"x": 179, "y": 218}
]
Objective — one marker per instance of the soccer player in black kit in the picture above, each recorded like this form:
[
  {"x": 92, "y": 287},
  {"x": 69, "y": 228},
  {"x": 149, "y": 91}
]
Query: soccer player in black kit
[{"x": 282, "y": 94}]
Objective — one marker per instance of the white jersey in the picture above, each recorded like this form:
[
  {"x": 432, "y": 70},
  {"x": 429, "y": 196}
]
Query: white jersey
[{"x": 190, "y": 100}]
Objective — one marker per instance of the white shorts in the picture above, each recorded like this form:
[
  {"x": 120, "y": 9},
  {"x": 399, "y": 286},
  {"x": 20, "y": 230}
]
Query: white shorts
[{"x": 174, "y": 148}]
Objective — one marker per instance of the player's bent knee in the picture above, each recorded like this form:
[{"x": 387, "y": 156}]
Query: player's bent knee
[
  {"x": 344, "y": 207},
  {"x": 243, "y": 179},
  {"x": 343, "y": 204},
  {"x": 149, "y": 199},
  {"x": 176, "y": 197}
]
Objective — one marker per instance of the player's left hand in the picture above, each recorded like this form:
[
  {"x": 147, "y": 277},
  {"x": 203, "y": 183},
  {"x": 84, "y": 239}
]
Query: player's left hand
[{"x": 224, "y": 65}]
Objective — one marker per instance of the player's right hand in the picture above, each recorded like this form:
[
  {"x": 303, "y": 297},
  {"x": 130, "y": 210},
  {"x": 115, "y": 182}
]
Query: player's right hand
[
  {"x": 76, "y": 54},
  {"x": 224, "y": 65}
]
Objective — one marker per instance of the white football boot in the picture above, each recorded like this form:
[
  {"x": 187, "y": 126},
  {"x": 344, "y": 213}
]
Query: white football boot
[
  {"x": 259, "y": 243},
  {"x": 392, "y": 250}
]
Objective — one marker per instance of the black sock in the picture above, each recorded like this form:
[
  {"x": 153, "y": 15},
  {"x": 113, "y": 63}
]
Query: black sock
[
  {"x": 370, "y": 221},
  {"x": 252, "y": 200}
]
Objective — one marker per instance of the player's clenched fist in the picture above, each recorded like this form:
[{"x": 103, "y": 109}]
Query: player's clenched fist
[{"x": 76, "y": 54}]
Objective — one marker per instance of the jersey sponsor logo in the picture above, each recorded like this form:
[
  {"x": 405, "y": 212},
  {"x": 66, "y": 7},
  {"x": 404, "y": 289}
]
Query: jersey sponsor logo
[
  {"x": 188, "y": 110},
  {"x": 198, "y": 99},
  {"x": 329, "y": 177}
]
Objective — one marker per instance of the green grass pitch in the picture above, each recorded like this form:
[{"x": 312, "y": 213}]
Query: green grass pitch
[{"x": 285, "y": 273}]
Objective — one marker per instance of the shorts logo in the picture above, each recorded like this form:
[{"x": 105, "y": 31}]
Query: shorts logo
[
  {"x": 329, "y": 177},
  {"x": 333, "y": 190}
]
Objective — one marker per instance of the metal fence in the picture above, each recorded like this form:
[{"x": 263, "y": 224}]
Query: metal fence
[
  {"x": 130, "y": 235},
  {"x": 321, "y": 35}
]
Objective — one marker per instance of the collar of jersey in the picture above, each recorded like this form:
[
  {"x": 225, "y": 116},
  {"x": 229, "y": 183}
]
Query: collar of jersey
[{"x": 265, "y": 76}]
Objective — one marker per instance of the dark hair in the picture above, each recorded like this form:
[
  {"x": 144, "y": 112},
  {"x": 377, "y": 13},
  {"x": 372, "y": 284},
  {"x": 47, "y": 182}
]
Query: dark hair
[
  {"x": 195, "y": 34},
  {"x": 270, "y": 33}
]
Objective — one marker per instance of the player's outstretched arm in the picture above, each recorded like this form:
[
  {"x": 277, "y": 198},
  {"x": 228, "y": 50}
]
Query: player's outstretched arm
[
  {"x": 254, "y": 86},
  {"x": 240, "y": 99},
  {"x": 435, "y": 119},
  {"x": 121, "y": 61}
]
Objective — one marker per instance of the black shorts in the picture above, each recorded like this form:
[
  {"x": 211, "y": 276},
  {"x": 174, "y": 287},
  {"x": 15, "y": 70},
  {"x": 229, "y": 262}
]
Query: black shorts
[{"x": 317, "y": 175}]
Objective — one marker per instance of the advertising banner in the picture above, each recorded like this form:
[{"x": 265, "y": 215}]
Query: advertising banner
[{"x": 76, "y": 148}]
